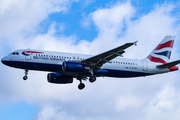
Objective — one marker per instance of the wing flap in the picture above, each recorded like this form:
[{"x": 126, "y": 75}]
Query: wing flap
[{"x": 98, "y": 60}]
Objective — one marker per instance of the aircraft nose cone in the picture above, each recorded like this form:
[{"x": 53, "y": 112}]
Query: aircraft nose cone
[
  {"x": 2, "y": 60},
  {"x": 6, "y": 61}
]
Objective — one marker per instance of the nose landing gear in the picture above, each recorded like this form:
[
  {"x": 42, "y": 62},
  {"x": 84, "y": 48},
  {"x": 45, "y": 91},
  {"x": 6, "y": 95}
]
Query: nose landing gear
[{"x": 26, "y": 73}]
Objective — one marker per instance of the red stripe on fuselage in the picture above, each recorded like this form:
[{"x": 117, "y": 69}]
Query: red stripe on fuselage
[
  {"x": 164, "y": 45},
  {"x": 31, "y": 52},
  {"x": 155, "y": 59}
]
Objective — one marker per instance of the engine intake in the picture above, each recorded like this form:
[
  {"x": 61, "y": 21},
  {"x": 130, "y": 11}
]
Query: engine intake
[
  {"x": 59, "y": 78},
  {"x": 74, "y": 67}
]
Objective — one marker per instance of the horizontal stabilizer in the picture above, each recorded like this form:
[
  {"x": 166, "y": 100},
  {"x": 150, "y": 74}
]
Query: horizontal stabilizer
[{"x": 168, "y": 65}]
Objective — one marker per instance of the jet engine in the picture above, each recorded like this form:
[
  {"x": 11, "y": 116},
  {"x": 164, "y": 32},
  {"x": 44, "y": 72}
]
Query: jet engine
[
  {"x": 74, "y": 67},
  {"x": 59, "y": 78}
]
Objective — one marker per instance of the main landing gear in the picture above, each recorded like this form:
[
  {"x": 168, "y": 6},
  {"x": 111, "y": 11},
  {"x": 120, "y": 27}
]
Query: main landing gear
[
  {"x": 82, "y": 85},
  {"x": 92, "y": 79},
  {"x": 26, "y": 73}
]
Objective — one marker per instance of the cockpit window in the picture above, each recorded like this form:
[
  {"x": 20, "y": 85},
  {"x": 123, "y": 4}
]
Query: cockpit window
[{"x": 15, "y": 53}]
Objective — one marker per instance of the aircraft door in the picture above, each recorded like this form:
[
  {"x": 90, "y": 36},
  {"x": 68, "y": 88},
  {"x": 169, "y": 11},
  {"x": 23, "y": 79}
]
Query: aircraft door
[
  {"x": 145, "y": 65},
  {"x": 28, "y": 54}
]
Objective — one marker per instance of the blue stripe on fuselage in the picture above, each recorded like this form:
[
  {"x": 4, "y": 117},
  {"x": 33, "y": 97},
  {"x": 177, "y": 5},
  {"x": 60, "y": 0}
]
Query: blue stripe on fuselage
[
  {"x": 125, "y": 74},
  {"x": 58, "y": 68}
]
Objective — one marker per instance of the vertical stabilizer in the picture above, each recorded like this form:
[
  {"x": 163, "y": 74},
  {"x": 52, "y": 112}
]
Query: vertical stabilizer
[{"x": 162, "y": 53}]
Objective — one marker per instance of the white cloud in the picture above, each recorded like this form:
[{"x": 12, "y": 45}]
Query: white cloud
[
  {"x": 87, "y": 2},
  {"x": 164, "y": 104},
  {"x": 109, "y": 23},
  {"x": 55, "y": 113},
  {"x": 109, "y": 20},
  {"x": 107, "y": 98},
  {"x": 21, "y": 18},
  {"x": 156, "y": 24},
  {"x": 86, "y": 21},
  {"x": 127, "y": 102}
]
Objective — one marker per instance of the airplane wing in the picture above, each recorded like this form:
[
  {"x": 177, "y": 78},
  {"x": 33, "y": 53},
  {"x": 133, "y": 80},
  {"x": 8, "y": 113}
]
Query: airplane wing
[{"x": 98, "y": 60}]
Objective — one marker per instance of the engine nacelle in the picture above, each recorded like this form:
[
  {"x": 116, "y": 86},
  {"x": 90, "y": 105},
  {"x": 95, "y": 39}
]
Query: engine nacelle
[
  {"x": 74, "y": 67},
  {"x": 59, "y": 78}
]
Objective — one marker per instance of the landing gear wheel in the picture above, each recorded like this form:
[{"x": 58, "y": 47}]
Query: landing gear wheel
[
  {"x": 92, "y": 79},
  {"x": 26, "y": 73},
  {"x": 81, "y": 86},
  {"x": 25, "y": 78}
]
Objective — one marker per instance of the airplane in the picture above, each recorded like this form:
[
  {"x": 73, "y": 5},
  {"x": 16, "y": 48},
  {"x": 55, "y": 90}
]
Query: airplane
[{"x": 63, "y": 67}]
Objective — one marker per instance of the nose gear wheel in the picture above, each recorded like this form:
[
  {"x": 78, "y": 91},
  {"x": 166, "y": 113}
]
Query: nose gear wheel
[{"x": 26, "y": 73}]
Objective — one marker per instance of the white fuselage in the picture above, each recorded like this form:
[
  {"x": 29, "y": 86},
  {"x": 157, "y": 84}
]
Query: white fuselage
[{"x": 52, "y": 62}]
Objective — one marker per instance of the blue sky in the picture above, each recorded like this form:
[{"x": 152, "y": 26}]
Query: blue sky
[
  {"x": 72, "y": 19},
  {"x": 18, "y": 110},
  {"x": 88, "y": 27}
]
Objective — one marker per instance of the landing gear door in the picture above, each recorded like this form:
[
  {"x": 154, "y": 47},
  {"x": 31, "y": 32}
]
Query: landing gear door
[
  {"x": 28, "y": 54},
  {"x": 145, "y": 66}
]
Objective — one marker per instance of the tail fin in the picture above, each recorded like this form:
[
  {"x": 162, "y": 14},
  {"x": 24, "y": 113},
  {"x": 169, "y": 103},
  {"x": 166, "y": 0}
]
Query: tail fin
[{"x": 162, "y": 53}]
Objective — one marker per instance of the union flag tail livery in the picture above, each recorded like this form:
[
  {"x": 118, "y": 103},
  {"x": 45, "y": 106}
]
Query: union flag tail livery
[
  {"x": 63, "y": 67},
  {"x": 162, "y": 53}
]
